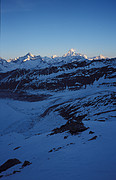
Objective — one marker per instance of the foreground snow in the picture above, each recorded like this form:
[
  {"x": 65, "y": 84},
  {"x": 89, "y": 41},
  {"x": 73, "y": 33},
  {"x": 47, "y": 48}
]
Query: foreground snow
[
  {"x": 56, "y": 157},
  {"x": 86, "y": 160}
]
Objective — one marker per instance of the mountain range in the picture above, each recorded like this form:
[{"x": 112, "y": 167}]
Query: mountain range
[
  {"x": 32, "y": 61},
  {"x": 58, "y": 117}
]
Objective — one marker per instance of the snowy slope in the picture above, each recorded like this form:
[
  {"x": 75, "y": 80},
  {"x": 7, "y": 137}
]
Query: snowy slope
[
  {"x": 59, "y": 116},
  {"x": 99, "y": 57},
  {"x": 55, "y": 157}
]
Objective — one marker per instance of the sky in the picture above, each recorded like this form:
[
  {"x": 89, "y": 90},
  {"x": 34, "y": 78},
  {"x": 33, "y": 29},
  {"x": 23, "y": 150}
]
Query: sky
[{"x": 49, "y": 27}]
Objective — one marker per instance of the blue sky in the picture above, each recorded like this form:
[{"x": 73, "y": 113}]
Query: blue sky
[{"x": 49, "y": 27}]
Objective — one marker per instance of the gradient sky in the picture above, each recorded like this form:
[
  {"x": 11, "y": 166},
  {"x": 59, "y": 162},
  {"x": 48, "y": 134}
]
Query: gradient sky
[{"x": 49, "y": 27}]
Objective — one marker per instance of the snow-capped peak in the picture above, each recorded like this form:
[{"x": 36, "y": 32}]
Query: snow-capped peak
[
  {"x": 54, "y": 56},
  {"x": 99, "y": 57},
  {"x": 29, "y": 54},
  {"x": 24, "y": 58},
  {"x": 2, "y": 61},
  {"x": 72, "y": 52}
]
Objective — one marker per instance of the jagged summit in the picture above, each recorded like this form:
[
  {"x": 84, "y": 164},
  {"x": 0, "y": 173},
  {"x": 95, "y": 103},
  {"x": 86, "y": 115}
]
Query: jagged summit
[
  {"x": 32, "y": 61},
  {"x": 72, "y": 52},
  {"x": 54, "y": 56},
  {"x": 27, "y": 57},
  {"x": 99, "y": 57},
  {"x": 29, "y": 54}
]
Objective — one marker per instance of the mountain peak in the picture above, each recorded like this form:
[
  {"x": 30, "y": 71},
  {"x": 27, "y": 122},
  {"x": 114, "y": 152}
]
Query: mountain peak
[
  {"x": 54, "y": 56},
  {"x": 29, "y": 54},
  {"x": 71, "y": 52},
  {"x": 99, "y": 57}
]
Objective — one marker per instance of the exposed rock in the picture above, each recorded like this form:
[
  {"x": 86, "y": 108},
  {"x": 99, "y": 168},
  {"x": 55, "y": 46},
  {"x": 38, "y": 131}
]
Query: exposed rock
[
  {"x": 57, "y": 149},
  {"x": 17, "y": 148},
  {"x": 92, "y": 138},
  {"x": 101, "y": 120},
  {"x": 91, "y": 132},
  {"x": 10, "y": 80},
  {"x": 26, "y": 163},
  {"x": 70, "y": 144},
  {"x": 50, "y": 150},
  {"x": 72, "y": 127},
  {"x": 15, "y": 172},
  {"x": 65, "y": 137},
  {"x": 38, "y": 134},
  {"x": 8, "y": 164}
]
